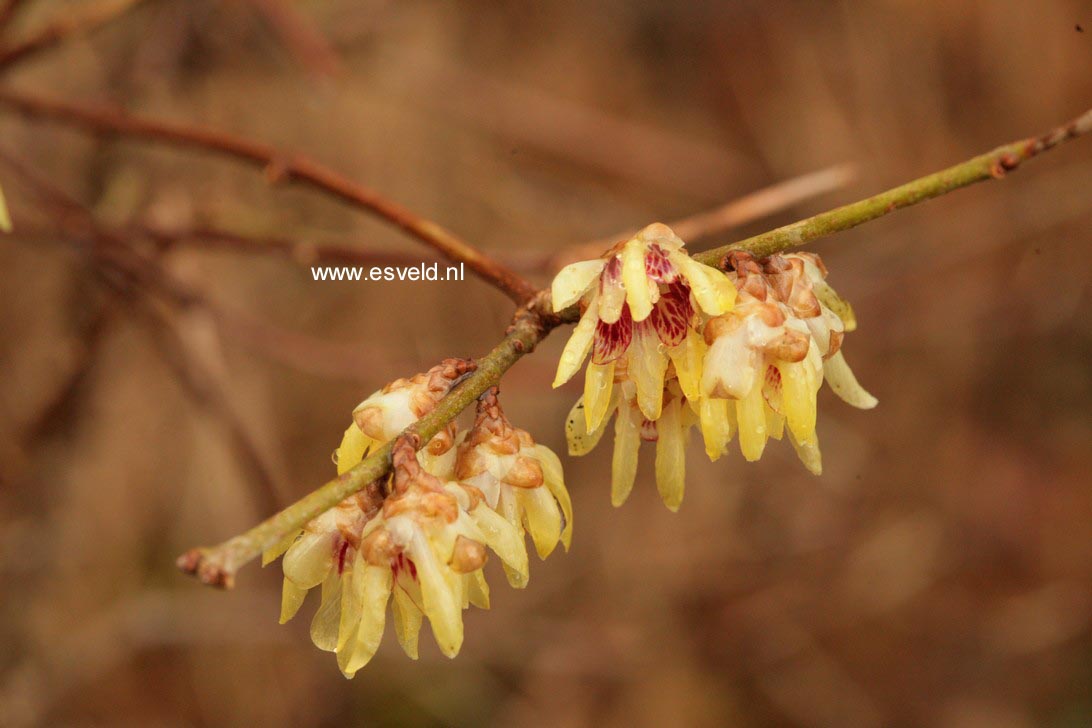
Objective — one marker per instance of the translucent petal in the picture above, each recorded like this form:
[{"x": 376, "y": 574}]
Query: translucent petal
[
  {"x": 438, "y": 598},
  {"x": 775, "y": 423},
  {"x": 635, "y": 279},
  {"x": 352, "y": 598},
  {"x": 729, "y": 369},
  {"x": 598, "y": 384},
  {"x": 647, "y": 367},
  {"x": 273, "y": 552},
  {"x": 687, "y": 358},
  {"x": 376, "y": 582},
  {"x": 715, "y": 428},
  {"x": 572, "y": 281},
  {"x": 543, "y": 519},
  {"x": 505, "y": 540},
  {"x": 809, "y": 454},
  {"x": 627, "y": 441},
  {"x": 671, "y": 455},
  {"x": 354, "y": 443},
  {"x": 324, "y": 625},
  {"x": 579, "y": 439},
  {"x": 840, "y": 306},
  {"x": 309, "y": 559},
  {"x": 407, "y": 622},
  {"x": 841, "y": 379},
  {"x": 612, "y": 292},
  {"x": 712, "y": 289},
  {"x": 577, "y": 347},
  {"x": 292, "y": 597},
  {"x": 478, "y": 589},
  {"x": 797, "y": 400},
  {"x": 555, "y": 481},
  {"x": 751, "y": 417}
]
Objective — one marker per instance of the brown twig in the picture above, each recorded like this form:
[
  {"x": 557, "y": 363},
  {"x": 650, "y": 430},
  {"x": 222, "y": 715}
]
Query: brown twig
[
  {"x": 218, "y": 565},
  {"x": 277, "y": 166},
  {"x": 83, "y": 20}
]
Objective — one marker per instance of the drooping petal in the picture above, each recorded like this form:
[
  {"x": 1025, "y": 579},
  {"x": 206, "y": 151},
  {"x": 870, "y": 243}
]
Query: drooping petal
[
  {"x": 577, "y": 347},
  {"x": 543, "y": 519},
  {"x": 478, "y": 589},
  {"x": 440, "y": 603},
  {"x": 612, "y": 291},
  {"x": 647, "y": 367},
  {"x": 639, "y": 288},
  {"x": 598, "y": 383},
  {"x": 715, "y": 426},
  {"x": 671, "y": 455},
  {"x": 579, "y": 439},
  {"x": 687, "y": 358},
  {"x": 272, "y": 553},
  {"x": 797, "y": 400},
  {"x": 809, "y": 454},
  {"x": 407, "y": 622},
  {"x": 627, "y": 440},
  {"x": 751, "y": 417},
  {"x": 324, "y": 625},
  {"x": 309, "y": 559},
  {"x": 844, "y": 383},
  {"x": 354, "y": 443},
  {"x": 292, "y": 597},
  {"x": 840, "y": 306},
  {"x": 352, "y": 599},
  {"x": 501, "y": 536},
  {"x": 573, "y": 281},
  {"x": 555, "y": 481},
  {"x": 376, "y": 581}
]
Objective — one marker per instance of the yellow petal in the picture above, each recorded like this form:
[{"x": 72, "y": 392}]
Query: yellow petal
[
  {"x": 478, "y": 589},
  {"x": 751, "y": 416},
  {"x": 273, "y": 552},
  {"x": 572, "y": 281},
  {"x": 5, "y": 216},
  {"x": 354, "y": 443},
  {"x": 577, "y": 347},
  {"x": 543, "y": 519},
  {"x": 844, "y": 384},
  {"x": 670, "y": 456},
  {"x": 407, "y": 622},
  {"x": 715, "y": 426},
  {"x": 555, "y": 481},
  {"x": 292, "y": 598},
  {"x": 376, "y": 590},
  {"x": 809, "y": 454},
  {"x": 712, "y": 289},
  {"x": 775, "y": 423},
  {"x": 505, "y": 540},
  {"x": 438, "y": 599},
  {"x": 687, "y": 357},
  {"x": 577, "y": 436},
  {"x": 324, "y": 625},
  {"x": 309, "y": 559},
  {"x": 627, "y": 441},
  {"x": 635, "y": 279},
  {"x": 352, "y": 599},
  {"x": 598, "y": 384},
  {"x": 840, "y": 306},
  {"x": 797, "y": 400},
  {"x": 647, "y": 367}
]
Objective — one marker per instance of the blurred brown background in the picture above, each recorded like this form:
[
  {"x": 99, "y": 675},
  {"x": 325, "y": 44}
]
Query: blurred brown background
[{"x": 938, "y": 573}]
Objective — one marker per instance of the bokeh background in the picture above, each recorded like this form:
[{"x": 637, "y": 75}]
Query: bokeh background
[{"x": 938, "y": 573}]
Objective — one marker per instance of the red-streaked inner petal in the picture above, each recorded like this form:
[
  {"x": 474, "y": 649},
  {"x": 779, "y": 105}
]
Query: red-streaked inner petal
[
  {"x": 673, "y": 314},
  {"x": 771, "y": 388},
  {"x": 658, "y": 267},
  {"x": 612, "y": 340}
]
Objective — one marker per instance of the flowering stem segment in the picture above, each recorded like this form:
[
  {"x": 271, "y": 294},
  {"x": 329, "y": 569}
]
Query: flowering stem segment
[
  {"x": 991, "y": 165},
  {"x": 278, "y": 166},
  {"x": 217, "y": 565}
]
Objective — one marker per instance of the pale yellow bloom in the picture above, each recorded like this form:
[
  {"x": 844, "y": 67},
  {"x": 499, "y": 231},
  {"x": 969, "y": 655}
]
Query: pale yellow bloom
[
  {"x": 767, "y": 358},
  {"x": 641, "y": 303},
  {"x": 519, "y": 479},
  {"x": 422, "y": 551}
]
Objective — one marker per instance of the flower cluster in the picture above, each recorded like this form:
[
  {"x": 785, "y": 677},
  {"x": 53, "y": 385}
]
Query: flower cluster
[
  {"x": 675, "y": 343},
  {"x": 421, "y": 548}
]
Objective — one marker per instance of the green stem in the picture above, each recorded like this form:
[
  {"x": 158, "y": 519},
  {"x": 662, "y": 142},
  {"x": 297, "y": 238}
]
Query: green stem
[{"x": 217, "y": 565}]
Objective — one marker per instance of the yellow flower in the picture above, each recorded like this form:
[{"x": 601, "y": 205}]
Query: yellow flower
[
  {"x": 518, "y": 479},
  {"x": 631, "y": 427},
  {"x": 384, "y": 414},
  {"x": 767, "y": 358},
  {"x": 423, "y": 550},
  {"x": 641, "y": 304}
]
